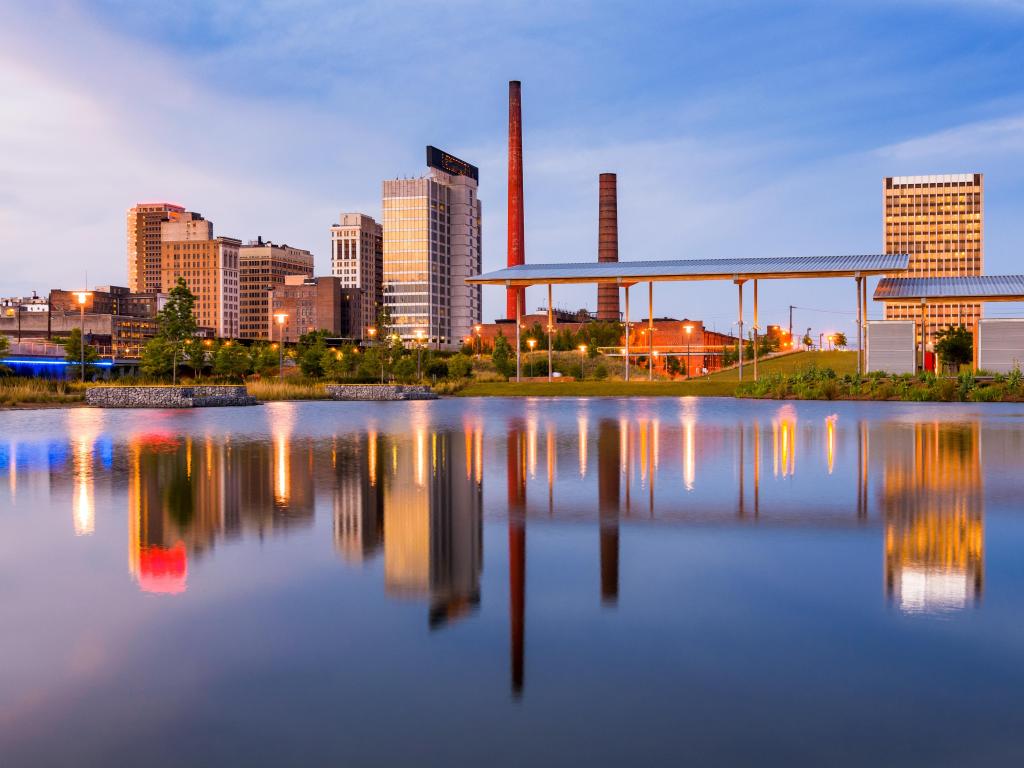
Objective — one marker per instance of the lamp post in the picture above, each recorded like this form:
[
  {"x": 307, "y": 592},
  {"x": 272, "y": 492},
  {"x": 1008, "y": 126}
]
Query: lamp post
[
  {"x": 689, "y": 330},
  {"x": 419, "y": 355},
  {"x": 82, "y": 296},
  {"x": 280, "y": 317},
  {"x": 532, "y": 344},
  {"x": 479, "y": 340},
  {"x": 583, "y": 352}
]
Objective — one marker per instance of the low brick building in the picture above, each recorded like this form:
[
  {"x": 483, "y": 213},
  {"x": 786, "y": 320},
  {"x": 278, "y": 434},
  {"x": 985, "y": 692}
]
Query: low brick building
[{"x": 313, "y": 304}]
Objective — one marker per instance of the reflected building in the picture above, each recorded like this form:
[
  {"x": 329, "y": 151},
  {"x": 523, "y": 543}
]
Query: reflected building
[
  {"x": 933, "y": 501},
  {"x": 186, "y": 493},
  {"x": 358, "y": 497},
  {"x": 433, "y": 523}
]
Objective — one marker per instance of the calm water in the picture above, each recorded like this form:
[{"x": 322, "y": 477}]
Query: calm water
[{"x": 513, "y": 583}]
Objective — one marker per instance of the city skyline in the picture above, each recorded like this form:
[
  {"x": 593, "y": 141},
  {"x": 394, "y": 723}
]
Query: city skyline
[{"x": 679, "y": 141}]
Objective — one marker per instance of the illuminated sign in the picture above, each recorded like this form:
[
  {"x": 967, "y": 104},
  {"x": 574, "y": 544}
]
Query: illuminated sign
[{"x": 441, "y": 160}]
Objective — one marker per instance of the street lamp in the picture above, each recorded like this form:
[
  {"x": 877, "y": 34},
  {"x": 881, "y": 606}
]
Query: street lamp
[
  {"x": 689, "y": 330},
  {"x": 532, "y": 344},
  {"x": 583, "y": 351},
  {"x": 280, "y": 317},
  {"x": 82, "y": 297},
  {"x": 419, "y": 355},
  {"x": 372, "y": 332},
  {"x": 479, "y": 339}
]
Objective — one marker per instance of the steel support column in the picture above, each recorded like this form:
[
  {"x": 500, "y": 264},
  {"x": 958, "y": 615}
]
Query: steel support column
[
  {"x": 860, "y": 328},
  {"x": 627, "y": 334},
  {"x": 755, "y": 330},
  {"x": 739, "y": 285},
  {"x": 650, "y": 331},
  {"x": 519, "y": 322},
  {"x": 550, "y": 327}
]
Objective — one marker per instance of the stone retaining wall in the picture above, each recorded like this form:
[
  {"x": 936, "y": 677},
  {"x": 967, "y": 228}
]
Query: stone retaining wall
[
  {"x": 167, "y": 397},
  {"x": 380, "y": 392}
]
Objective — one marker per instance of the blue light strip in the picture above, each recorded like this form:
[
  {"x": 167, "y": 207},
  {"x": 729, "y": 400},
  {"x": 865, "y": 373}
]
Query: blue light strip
[{"x": 14, "y": 361}]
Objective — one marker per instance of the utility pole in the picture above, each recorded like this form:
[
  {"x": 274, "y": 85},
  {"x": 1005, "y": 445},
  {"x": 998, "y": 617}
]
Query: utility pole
[{"x": 791, "y": 308}]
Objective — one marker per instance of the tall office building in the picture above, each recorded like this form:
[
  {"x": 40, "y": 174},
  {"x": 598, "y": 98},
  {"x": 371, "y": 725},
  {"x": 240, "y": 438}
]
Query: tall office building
[
  {"x": 431, "y": 245},
  {"x": 144, "y": 220},
  {"x": 357, "y": 258},
  {"x": 938, "y": 221},
  {"x": 262, "y": 266},
  {"x": 209, "y": 267}
]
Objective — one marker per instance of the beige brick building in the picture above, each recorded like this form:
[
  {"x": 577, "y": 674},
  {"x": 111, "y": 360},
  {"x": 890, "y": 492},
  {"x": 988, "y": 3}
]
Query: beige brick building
[
  {"x": 262, "y": 266},
  {"x": 357, "y": 259},
  {"x": 939, "y": 222},
  {"x": 143, "y": 236},
  {"x": 313, "y": 304},
  {"x": 209, "y": 266}
]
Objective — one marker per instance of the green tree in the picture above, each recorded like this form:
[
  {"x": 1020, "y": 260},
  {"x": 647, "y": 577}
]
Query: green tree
[
  {"x": 459, "y": 366},
  {"x": 955, "y": 346},
  {"x": 262, "y": 359},
  {"x": 371, "y": 364},
  {"x": 501, "y": 356},
  {"x": 73, "y": 350},
  {"x": 405, "y": 369},
  {"x": 5, "y": 347},
  {"x": 198, "y": 354},
  {"x": 176, "y": 322},
  {"x": 231, "y": 360},
  {"x": 157, "y": 358},
  {"x": 310, "y": 353},
  {"x": 672, "y": 366}
]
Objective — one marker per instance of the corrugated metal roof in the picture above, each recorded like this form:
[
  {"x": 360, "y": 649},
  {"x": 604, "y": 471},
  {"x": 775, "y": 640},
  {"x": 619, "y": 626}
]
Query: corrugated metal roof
[
  {"x": 697, "y": 269},
  {"x": 977, "y": 287}
]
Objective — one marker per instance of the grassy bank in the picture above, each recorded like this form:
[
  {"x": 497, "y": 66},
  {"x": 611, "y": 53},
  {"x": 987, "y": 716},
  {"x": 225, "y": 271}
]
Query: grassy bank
[
  {"x": 18, "y": 392},
  {"x": 599, "y": 389},
  {"x": 825, "y": 384},
  {"x": 841, "y": 362},
  {"x": 272, "y": 389}
]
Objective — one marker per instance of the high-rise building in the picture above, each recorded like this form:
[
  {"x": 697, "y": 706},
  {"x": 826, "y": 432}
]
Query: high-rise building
[
  {"x": 357, "y": 259},
  {"x": 209, "y": 267},
  {"x": 144, "y": 220},
  {"x": 312, "y": 304},
  {"x": 262, "y": 265},
  {"x": 431, "y": 245},
  {"x": 938, "y": 221}
]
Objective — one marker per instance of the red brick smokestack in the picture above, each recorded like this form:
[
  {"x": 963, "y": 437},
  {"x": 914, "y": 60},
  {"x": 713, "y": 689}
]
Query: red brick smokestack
[
  {"x": 516, "y": 226},
  {"x": 607, "y": 244}
]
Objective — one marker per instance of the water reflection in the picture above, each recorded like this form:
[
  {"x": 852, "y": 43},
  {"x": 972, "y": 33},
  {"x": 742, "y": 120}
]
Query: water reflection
[
  {"x": 933, "y": 500},
  {"x": 415, "y": 494}
]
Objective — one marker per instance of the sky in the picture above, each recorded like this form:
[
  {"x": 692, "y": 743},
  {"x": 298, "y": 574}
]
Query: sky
[{"x": 736, "y": 128}]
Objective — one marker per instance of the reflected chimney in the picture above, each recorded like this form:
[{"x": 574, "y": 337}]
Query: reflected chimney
[{"x": 608, "y": 469}]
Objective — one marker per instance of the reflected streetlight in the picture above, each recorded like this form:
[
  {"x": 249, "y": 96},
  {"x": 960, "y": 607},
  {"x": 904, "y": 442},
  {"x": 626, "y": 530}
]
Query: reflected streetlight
[{"x": 280, "y": 317}]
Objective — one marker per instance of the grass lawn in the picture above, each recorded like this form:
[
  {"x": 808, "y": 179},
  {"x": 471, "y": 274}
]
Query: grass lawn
[
  {"x": 840, "y": 362},
  {"x": 599, "y": 389}
]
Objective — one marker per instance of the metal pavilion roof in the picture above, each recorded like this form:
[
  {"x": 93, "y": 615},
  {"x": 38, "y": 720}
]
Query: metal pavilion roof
[
  {"x": 761, "y": 268},
  {"x": 974, "y": 288}
]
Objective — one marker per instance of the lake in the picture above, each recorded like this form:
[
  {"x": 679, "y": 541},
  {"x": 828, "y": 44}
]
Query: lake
[{"x": 513, "y": 582}]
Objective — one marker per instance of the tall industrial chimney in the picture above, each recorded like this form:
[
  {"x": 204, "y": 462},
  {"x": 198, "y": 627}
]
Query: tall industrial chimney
[
  {"x": 607, "y": 245},
  {"x": 516, "y": 227}
]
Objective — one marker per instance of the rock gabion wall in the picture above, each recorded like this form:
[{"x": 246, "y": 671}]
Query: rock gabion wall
[
  {"x": 379, "y": 392},
  {"x": 167, "y": 397}
]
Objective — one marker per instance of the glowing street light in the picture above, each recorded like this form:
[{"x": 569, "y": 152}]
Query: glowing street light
[
  {"x": 281, "y": 317},
  {"x": 583, "y": 352},
  {"x": 419, "y": 355},
  {"x": 689, "y": 330},
  {"x": 83, "y": 296}
]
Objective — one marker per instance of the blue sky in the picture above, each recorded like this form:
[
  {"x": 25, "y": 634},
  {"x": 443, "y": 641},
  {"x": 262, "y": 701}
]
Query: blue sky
[{"x": 736, "y": 128}]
